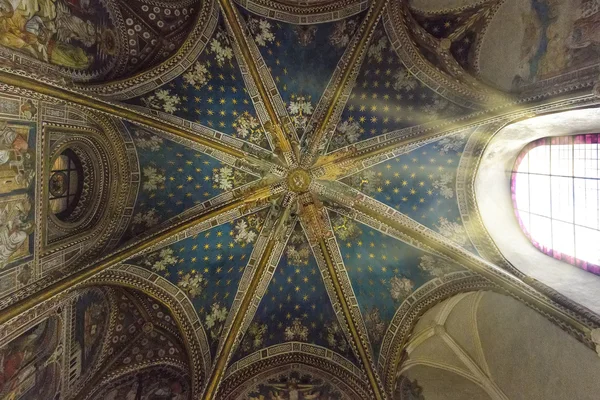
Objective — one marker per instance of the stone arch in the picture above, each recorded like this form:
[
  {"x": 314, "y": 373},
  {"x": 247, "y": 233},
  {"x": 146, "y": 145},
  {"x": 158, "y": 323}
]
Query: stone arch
[
  {"x": 112, "y": 166},
  {"x": 317, "y": 12},
  {"x": 244, "y": 375},
  {"x": 117, "y": 70},
  {"x": 174, "y": 300},
  {"x": 411, "y": 310},
  {"x": 465, "y": 347},
  {"x": 126, "y": 381},
  {"x": 493, "y": 198}
]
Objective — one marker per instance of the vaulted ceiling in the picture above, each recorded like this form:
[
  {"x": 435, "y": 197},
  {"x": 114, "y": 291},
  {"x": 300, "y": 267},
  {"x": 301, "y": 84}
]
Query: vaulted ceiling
[{"x": 298, "y": 163}]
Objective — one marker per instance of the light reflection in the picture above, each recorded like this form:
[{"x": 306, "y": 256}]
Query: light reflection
[{"x": 556, "y": 198}]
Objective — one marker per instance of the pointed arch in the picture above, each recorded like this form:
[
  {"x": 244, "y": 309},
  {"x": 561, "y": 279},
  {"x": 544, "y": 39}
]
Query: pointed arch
[
  {"x": 245, "y": 375},
  {"x": 446, "y": 358},
  {"x": 145, "y": 378},
  {"x": 409, "y": 312},
  {"x": 176, "y": 302},
  {"x": 492, "y": 192}
]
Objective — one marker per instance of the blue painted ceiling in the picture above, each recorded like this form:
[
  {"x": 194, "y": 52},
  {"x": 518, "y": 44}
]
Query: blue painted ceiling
[
  {"x": 387, "y": 97},
  {"x": 175, "y": 178},
  {"x": 208, "y": 268},
  {"x": 296, "y": 306},
  {"x": 383, "y": 271},
  {"x": 211, "y": 93},
  {"x": 422, "y": 185}
]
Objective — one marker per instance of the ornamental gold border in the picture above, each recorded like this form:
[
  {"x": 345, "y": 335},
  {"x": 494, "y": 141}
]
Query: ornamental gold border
[
  {"x": 202, "y": 130},
  {"x": 397, "y": 31},
  {"x": 330, "y": 289},
  {"x": 172, "y": 298},
  {"x": 270, "y": 109},
  {"x": 571, "y": 319},
  {"x": 168, "y": 70},
  {"x": 260, "y": 246},
  {"x": 123, "y": 375},
  {"x": 338, "y": 90},
  {"x": 300, "y": 347},
  {"x": 289, "y": 12},
  {"x": 412, "y": 308},
  {"x": 119, "y": 162},
  {"x": 293, "y": 356}
]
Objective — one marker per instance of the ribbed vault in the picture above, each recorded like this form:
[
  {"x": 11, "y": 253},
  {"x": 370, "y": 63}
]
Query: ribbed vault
[{"x": 304, "y": 194}]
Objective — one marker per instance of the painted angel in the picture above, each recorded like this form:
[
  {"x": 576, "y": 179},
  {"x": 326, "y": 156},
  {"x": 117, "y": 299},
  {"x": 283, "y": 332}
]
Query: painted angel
[{"x": 14, "y": 229}]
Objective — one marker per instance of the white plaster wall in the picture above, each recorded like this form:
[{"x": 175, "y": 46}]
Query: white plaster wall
[{"x": 492, "y": 189}]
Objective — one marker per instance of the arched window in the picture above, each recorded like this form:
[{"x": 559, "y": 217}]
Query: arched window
[
  {"x": 555, "y": 192},
  {"x": 65, "y": 184}
]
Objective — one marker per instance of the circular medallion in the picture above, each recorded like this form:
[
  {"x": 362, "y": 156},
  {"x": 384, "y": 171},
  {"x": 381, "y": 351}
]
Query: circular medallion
[
  {"x": 58, "y": 184},
  {"x": 148, "y": 327},
  {"x": 298, "y": 180}
]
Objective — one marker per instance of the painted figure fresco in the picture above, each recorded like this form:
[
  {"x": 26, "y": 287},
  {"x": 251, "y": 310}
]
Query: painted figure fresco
[
  {"x": 17, "y": 173},
  {"x": 15, "y": 228},
  {"x": 68, "y": 33},
  {"x": 17, "y": 158},
  {"x": 295, "y": 386},
  {"x": 91, "y": 319},
  {"x": 557, "y": 40},
  {"x": 552, "y": 37},
  {"x": 19, "y": 361},
  {"x": 39, "y": 382}
]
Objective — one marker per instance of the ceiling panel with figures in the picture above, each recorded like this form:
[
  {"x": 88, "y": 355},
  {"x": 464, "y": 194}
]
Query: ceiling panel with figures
[
  {"x": 298, "y": 168},
  {"x": 96, "y": 41}
]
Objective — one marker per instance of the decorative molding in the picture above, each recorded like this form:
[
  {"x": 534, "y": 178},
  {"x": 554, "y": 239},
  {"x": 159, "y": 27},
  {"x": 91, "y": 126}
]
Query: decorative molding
[
  {"x": 116, "y": 378},
  {"x": 292, "y": 355},
  {"x": 576, "y": 322},
  {"x": 333, "y": 101},
  {"x": 396, "y": 26},
  {"x": 251, "y": 166},
  {"x": 244, "y": 286},
  {"x": 55, "y": 284},
  {"x": 465, "y": 196},
  {"x": 246, "y": 301},
  {"x": 111, "y": 155},
  {"x": 157, "y": 287},
  {"x": 168, "y": 70},
  {"x": 298, "y": 347},
  {"x": 270, "y": 109},
  {"x": 411, "y": 309},
  {"x": 329, "y": 287},
  {"x": 306, "y": 14}
]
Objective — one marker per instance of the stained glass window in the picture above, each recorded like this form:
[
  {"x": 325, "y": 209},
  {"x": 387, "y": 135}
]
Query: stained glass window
[
  {"x": 65, "y": 184},
  {"x": 555, "y": 192}
]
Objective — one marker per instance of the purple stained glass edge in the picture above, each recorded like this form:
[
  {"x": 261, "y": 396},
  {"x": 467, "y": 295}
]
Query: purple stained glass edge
[{"x": 592, "y": 138}]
